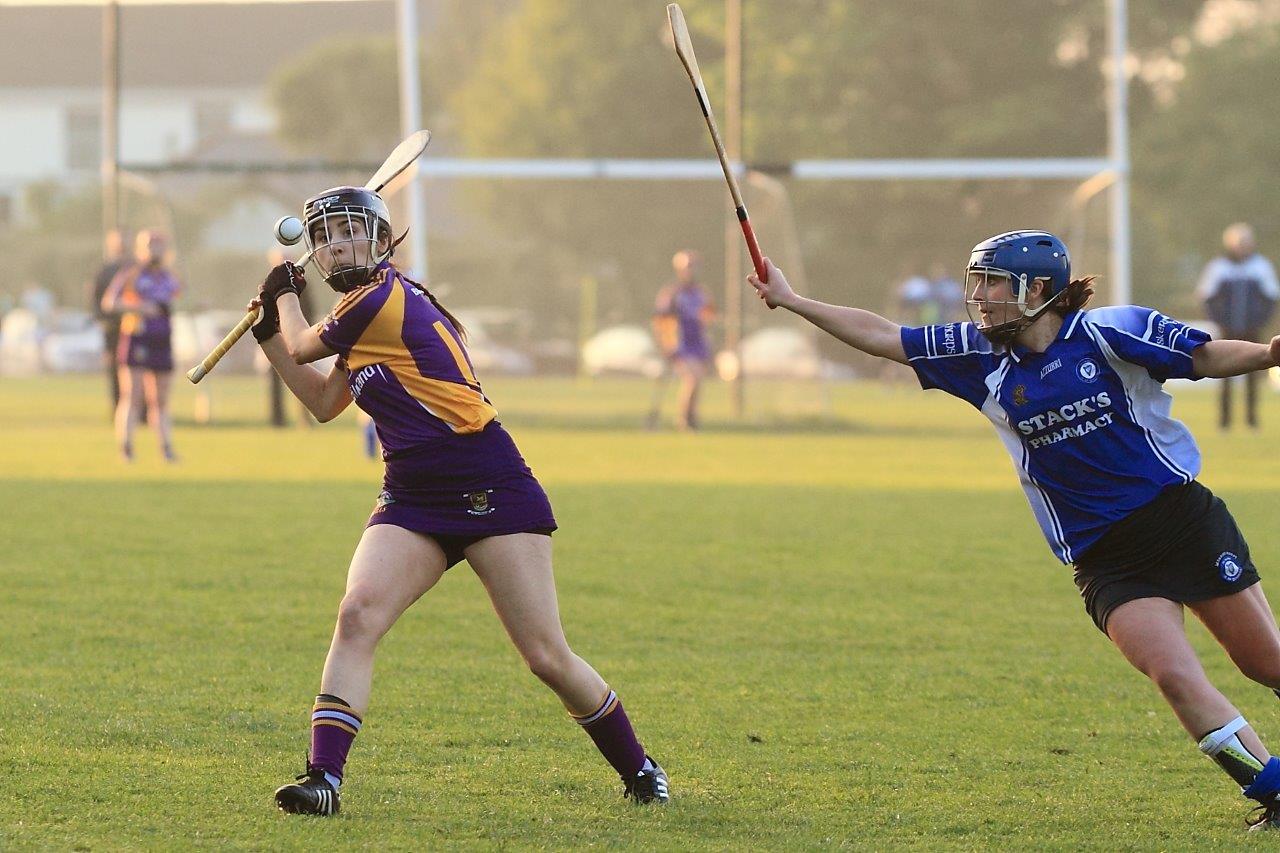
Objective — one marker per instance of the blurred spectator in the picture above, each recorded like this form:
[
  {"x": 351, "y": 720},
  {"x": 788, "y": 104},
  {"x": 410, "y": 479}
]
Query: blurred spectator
[
  {"x": 680, "y": 317},
  {"x": 912, "y": 305},
  {"x": 114, "y": 259},
  {"x": 143, "y": 293},
  {"x": 1239, "y": 292},
  {"x": 947, "y": 295}
]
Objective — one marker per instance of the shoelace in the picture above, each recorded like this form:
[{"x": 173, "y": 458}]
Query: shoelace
[{"x": 1264, "y": 813}]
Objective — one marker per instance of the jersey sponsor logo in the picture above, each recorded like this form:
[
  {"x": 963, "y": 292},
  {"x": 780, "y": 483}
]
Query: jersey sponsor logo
[
  {"x": 1087, "y": 370},
  {"x": 478, "y": 502},
  {"x": 1050, "y": 367},
  {"x": 357, "y": 381},
  {"x": 1164, "y": 330},
  {"x": 1070, "y": 421},
  {"x": 950, "y": 344},
  {"x": 1229, "y": 567},
  {"x": 1020, "y": 395}
]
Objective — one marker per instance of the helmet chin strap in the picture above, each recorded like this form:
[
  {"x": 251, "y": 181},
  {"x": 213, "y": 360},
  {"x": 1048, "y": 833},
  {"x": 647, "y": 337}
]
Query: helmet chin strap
[{"x": 1003, "y": 334}]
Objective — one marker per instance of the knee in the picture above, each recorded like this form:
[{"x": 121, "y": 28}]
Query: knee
[
  {"x": 1265, "y": 672},
  {"x": 549, "y": 661},
  {"x": 360, "y": 618},
  {"x": 1178, "y": 683}
]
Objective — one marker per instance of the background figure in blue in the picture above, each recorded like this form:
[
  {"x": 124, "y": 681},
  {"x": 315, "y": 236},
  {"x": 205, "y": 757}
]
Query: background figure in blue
[
  {"x": 947, "y": 294},
  {"x": 912, "y": 306},
  {"x": 680, "y": 317},
  {"x": 1239, "y": 292},
  {"x": 1077, "y": 400},
  {"x": 114, "y": 259}
]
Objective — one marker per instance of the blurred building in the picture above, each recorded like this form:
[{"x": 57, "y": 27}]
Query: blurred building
[{"x": 191, "y": 78}]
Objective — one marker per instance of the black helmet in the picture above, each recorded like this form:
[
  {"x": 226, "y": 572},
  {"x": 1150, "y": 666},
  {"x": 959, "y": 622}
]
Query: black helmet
[{"x": 357, "y": 217}]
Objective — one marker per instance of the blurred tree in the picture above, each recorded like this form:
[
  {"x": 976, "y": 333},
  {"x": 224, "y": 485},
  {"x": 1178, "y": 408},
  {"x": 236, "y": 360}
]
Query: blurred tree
[
  {"x": 823, "y": 78},
  {"x": 339, "y": 100},
  {"x": 1205, "y": 161}
]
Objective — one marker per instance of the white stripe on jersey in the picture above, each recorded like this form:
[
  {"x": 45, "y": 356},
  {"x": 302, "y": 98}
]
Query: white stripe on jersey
[
  {"x": 1149, "y": 404},
  {"x": 1041, "y": 506}
]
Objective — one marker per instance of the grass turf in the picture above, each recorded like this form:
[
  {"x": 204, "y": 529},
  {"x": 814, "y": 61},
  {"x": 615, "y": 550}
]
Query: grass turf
[{"x": 834, "y": 626}]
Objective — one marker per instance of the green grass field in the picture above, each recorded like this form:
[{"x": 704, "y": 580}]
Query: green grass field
[{"x": 834, "y": 627}]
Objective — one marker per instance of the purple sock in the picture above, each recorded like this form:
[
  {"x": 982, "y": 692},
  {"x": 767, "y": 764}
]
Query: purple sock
[
  {"x": 334, "y": 726},
  {"x": 609, "y": 727}
]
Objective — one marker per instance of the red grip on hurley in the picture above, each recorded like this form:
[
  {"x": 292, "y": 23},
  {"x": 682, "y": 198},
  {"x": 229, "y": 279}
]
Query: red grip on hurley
[{"x": 757, "y": 260}]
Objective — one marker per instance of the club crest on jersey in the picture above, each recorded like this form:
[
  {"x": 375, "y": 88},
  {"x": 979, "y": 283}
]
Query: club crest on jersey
[
  {"x": 1087, "y": 370},
  {"x": 384, "y": 500},
  {"x": 478, "y": 502},
  {"x": 1020, "y": 395},
  {"x": 1229, "y": 567}
]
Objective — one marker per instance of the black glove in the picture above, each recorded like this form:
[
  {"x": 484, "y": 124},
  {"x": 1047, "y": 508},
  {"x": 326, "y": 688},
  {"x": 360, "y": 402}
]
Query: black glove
[
  {"x": 285, "y": 278},
  {"x": 268, "y": 325}
]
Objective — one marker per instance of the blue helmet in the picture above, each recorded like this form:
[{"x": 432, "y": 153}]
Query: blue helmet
[{"x": 1020, "y": 258}]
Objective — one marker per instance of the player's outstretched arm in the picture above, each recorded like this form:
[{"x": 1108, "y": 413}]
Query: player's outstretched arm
[
  {"x": 862, "y": 330},
  {"x": 1222, "y": 358}
]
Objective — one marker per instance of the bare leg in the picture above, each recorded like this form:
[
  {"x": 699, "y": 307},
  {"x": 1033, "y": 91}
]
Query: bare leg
[
  {"x": 1224, "y": 409},
  {"x": 1149, "y": 632},
  {"x": 516, "y": 571},
  {"x": 1251, "y": 398},
  {"x": 1245, "y": 626},
  {"x": 157, "y": 393},
  {"x": 391, "y": 569},
  {"x": 691, "y": 372},
  {"x": 127, "y": 409}
]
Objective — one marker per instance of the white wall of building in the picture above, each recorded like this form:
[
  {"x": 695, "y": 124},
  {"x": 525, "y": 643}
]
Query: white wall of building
[{"x": 156, "y": 125}]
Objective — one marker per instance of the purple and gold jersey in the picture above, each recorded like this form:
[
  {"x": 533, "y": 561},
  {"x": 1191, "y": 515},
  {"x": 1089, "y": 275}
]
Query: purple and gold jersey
[
  {"x": 682, "y": 310},
  {"x": 406, "y": 364},
  {"x": 153, "y": 284}
]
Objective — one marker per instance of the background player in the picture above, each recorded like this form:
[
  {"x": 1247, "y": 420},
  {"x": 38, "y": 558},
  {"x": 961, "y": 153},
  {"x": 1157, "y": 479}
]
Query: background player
[
  {"x": 114, "y": 258},
  {"x": 143, "y": 293},
  {"x": 1239, "y": 292},
  {"x": 681, "y": 313},
  {"x": 455, "y": 488},
  {"x": 1076, "y": 398}
]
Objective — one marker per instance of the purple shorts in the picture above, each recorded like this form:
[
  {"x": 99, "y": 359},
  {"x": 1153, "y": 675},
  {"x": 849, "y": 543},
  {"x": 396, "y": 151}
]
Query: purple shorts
[
  {"x": 463, "y": 489},
  {"x": 145, "y": 352}
]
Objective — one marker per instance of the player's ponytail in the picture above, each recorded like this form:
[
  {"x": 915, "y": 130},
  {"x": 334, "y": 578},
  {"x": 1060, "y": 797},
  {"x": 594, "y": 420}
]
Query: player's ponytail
[
  {"x": 453, "y": 321},
  {"x": 1076, "y": 296}
]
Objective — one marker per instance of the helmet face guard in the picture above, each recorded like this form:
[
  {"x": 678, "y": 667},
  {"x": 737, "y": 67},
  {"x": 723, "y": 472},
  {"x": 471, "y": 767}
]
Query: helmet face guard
[
  {"x": 344, "y": 227},
  {"x": 1014, "y": 261},
  {"x": 979, "y": 282}
]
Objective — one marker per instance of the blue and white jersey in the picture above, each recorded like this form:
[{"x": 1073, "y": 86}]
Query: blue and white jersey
[{"x": 1086, "y": 421}]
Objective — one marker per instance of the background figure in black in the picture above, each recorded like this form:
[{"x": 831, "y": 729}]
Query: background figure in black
[
  {"x": 114, "y": 259},
  {"x": 275, "y": 387},
  {"x": 1239, "y": 292}
]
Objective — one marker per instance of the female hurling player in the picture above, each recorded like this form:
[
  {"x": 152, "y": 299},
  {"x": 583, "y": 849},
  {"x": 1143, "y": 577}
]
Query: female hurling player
[
  {"x": 455, "y": 488},
  {"x": 1077, "y": 399}
]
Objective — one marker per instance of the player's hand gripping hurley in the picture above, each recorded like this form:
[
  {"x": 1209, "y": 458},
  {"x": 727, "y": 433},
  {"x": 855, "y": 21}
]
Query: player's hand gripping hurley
[
  {"x": 400, "y": 159},
  {"x": 684, "y": 49}
]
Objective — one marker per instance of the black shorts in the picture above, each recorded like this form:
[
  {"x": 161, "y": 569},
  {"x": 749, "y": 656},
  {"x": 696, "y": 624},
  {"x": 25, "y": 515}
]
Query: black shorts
[
  {"x": 455, "y": 546},
  {"x": 1183, "y": 546}
]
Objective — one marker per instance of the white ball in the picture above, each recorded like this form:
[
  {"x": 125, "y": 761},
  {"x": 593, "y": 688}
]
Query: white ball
[{"x": 288, "y": 230}]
